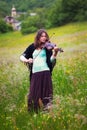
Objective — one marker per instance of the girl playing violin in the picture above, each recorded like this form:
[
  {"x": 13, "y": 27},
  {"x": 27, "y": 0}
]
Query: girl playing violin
[{"x": 41, "y": 58}]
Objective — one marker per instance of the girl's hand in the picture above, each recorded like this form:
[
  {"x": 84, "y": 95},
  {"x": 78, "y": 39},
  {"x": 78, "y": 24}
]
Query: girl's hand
[
  {"x": 55, "y": 51},
  {"x": 30, "y": 60}
]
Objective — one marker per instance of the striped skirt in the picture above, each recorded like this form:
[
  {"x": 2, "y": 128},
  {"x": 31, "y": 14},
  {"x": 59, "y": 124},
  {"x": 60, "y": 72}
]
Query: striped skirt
[{"x": 41, "y": 91}]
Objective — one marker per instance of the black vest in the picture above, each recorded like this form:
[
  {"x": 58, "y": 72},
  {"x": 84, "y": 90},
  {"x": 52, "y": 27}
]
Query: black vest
[{"x": 28, "y": 54}]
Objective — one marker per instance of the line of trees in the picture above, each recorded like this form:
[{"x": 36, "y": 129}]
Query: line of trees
[
  {"x": 62, "y": 12},
  {"x": 65, "y": 11},
  {"x": 26, "y": 7},
  {"x": 51, "y": 13},
  {"x": 23, "y": 5}
]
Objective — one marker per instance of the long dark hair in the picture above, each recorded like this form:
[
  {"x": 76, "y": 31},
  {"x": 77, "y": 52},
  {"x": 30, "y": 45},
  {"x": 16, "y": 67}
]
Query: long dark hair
[{"x": 38, "y": 35}]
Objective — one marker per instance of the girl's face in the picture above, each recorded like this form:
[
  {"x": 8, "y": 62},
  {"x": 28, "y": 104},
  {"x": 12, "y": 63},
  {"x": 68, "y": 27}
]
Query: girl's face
[{"x": 43, "y": 38}]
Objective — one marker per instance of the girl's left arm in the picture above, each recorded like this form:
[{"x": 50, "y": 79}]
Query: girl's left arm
[{"x": 54, "y": 54}]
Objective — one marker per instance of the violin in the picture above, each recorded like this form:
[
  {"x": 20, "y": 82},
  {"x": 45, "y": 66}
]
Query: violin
[{"x": 51, "y": 46}]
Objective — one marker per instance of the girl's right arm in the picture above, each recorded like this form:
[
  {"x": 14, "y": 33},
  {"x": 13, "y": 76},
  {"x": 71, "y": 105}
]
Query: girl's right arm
[{"x": 25, "y": 60}]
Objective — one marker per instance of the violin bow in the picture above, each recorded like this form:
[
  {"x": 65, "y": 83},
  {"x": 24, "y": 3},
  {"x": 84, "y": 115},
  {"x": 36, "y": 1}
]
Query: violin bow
[{"x": 59, "y": 49}]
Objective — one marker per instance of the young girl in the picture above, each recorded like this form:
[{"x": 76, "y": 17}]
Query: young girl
[{"x": 41, "y": 58}]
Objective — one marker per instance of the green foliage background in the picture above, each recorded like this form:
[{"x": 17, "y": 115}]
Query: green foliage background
[{"x": 48, "y": 13}]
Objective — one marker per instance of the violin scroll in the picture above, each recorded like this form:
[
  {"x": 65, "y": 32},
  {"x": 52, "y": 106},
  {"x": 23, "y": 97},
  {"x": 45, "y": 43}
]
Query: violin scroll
[{"x": 60, "y": 50}]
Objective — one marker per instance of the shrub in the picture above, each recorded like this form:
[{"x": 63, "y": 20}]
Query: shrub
[
  {"x": 28, "y": 30},
  {"x": 5, "y": 27},
  {"x": 31, "y": 24},
  {"x": 10, "y": 28}
]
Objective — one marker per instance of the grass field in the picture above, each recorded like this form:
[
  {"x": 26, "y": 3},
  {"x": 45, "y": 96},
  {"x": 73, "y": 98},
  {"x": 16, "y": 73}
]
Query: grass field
[{"x": 69, "y": 110}]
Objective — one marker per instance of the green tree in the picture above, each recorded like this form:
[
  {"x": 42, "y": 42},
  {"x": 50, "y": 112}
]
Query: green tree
[
  {"x": 75, "y": 9},
  {"x": 56, "y": 15},
  {"x": 64, "y": 11},
  {"x": 32, "y": 23},
  {"x": 3, "y": 9},
  {"x": 5, "y": 27}
]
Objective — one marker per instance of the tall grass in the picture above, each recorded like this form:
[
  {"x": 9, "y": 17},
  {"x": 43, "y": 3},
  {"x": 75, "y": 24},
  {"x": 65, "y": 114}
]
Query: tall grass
[{"x": 69, "y": 109}]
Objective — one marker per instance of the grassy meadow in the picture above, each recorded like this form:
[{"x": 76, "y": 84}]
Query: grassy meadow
[{"x": 69, "y": 109}]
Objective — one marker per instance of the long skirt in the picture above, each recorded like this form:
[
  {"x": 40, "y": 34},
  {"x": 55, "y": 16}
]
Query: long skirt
[{"x": 41, "y": 91}]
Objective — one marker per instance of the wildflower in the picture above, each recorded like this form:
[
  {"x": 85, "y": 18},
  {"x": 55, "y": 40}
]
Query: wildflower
[
  {"x": 59, "y": 118},
  {"x": 35, "y": 115},
  {"x": 81, "y": 117}
]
